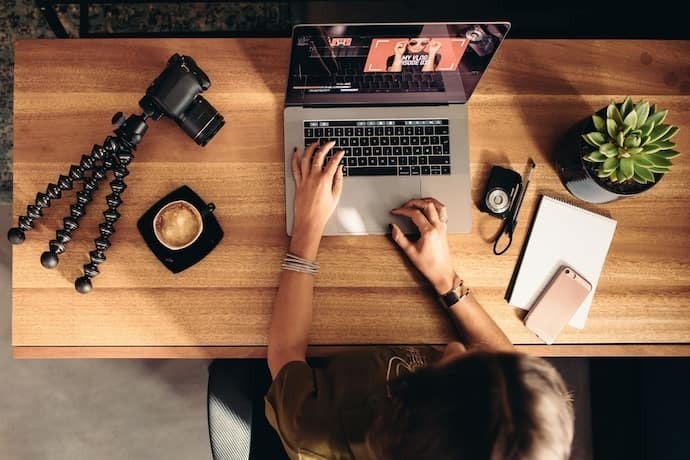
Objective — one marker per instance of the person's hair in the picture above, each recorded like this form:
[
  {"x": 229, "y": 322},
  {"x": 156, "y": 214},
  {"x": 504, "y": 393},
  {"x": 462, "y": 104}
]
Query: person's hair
[{"x": 492, "y": 406}]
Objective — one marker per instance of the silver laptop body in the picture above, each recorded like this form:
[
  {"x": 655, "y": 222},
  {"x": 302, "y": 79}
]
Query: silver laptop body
[{"x": 365, "y": 205}]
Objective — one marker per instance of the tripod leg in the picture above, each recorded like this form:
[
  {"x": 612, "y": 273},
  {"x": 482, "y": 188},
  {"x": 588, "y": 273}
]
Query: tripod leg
[
  {"x": 49, "y": 259},
  {"x": 53, "y": 191},
  {"x": 121, "y": 159}
]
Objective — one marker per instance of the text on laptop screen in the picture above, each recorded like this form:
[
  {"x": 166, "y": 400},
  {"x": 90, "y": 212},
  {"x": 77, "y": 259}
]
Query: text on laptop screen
[{"x": 393, "y": 63}]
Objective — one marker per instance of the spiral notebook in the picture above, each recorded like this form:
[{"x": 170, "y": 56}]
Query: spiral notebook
[{"x": 562, "y": 234}]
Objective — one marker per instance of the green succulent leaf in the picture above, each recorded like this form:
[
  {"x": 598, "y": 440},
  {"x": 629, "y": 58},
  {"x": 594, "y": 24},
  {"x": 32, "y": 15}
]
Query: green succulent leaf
[
  {"x": 627, "y": 167},
  {"x": 620, "y": 138},
  {"x": 630, "y": 120},
  {"x": 626, "y": 131},
  {"x": 595, "y": 157},
  {"x": 647, "y": 128},
  {"x": 626, "y": 106},
  {"x": 609, "y": 149},
  {"x": 595, "y": 139},
  {"x": 602, "y": 173},
  {"x": 632, "y": 141},
  {"x": 657, "y": 117},
  {"x": 612, "y": 113},
  {"x": 665, "y": 144},
  {"x": 638, "y": 179},
  {"x": 659, "y": 169},
  {"x": 650, "y": 148},
  {"x": 621, "y": 176},
  {"x": 642, "y": 111},
  {"x": 658, "y": 160},
  {"x": 635, "y": 150},
  {"x": 642, "y": 161},
  {"x": 644, "y": 174},
  {"x": 599, "y": 123},
  {"x": 668, "y": 154},
  {"x": 670, "y": 133},
  {"x": 611, "y": 164},
  {"x": 612, "y": 127},
  {"x": 658, "y": 132}
]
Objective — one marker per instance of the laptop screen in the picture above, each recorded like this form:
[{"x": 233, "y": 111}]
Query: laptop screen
[{"x": 347, "y": 64}]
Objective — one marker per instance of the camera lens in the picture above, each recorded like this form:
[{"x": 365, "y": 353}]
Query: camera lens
[
  {"x": 497, "y": 200},
  {"x": 201, "y": 121}
]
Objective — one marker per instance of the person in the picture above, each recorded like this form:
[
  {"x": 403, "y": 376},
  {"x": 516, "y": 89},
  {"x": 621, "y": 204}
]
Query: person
[
  {"x": 478, "y": 399},
  {"x": 410, "y": 55}
]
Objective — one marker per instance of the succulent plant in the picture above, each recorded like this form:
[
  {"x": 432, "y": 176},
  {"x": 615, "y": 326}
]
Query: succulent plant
[{"x": 632, "y": 143}]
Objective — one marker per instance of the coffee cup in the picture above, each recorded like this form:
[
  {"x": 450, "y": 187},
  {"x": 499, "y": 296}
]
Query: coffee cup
[{"x": 179, "y": 224}]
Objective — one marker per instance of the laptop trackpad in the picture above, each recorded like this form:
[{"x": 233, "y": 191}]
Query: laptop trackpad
[{"x": 366, "y": 203}]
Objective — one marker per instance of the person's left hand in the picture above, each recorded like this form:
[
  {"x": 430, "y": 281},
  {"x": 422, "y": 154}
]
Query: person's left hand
[
  {"x": 317, "y": 189},
  {"x": 434, "y": 46}
]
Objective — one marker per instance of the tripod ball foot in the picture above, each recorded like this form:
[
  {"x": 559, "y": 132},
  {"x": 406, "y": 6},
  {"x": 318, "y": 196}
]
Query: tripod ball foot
[
  {"x": 83, "y": 284},
  {"x": 49, "y": 259},
  {"x": 16, "y": 235}
]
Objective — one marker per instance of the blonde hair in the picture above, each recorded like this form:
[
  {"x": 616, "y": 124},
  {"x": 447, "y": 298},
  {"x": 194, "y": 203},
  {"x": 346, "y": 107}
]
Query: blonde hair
[{"x": 492, "y": 406}]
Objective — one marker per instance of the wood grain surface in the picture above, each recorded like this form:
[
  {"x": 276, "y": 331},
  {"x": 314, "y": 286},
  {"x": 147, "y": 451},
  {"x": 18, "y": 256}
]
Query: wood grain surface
[{"x": 66, "y": 92}]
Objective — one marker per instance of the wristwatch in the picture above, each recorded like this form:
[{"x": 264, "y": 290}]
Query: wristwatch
[{"x": 454, "y": 296}]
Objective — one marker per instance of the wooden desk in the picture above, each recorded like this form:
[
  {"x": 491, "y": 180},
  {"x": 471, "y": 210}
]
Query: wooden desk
[{"x": 67, "y": 91}]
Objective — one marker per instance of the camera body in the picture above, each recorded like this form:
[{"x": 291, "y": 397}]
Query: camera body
[
  {"x": 176, "y": 93},
  {"x": 500, "y": 192}
]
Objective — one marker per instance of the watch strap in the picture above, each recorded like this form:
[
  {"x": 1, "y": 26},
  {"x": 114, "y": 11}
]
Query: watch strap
[{"x": 454, "y": 296}]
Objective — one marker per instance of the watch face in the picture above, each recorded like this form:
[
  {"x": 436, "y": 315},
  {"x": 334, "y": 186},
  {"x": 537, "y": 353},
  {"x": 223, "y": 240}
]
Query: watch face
[{"x": 450, "y": 299}]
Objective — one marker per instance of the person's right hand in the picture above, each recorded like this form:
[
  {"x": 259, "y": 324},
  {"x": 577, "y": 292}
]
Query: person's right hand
[
  {"x": 399, "y": 48},
  {"x": 430, "y": 252},
  {"x": 318, "y": 186}
]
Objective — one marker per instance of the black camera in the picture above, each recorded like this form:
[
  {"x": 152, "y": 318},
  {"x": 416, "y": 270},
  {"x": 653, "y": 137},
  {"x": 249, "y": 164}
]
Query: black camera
[
  {"x": 501, "y": 189},
  {"x": 176, "y": 93}
]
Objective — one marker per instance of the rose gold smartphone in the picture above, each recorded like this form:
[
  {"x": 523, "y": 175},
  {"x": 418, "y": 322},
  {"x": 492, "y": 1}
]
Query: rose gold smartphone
[{"x": 557, "y": 303}]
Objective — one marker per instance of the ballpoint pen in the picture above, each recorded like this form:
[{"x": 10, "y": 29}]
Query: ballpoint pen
[{"x": 511, "y": 220}]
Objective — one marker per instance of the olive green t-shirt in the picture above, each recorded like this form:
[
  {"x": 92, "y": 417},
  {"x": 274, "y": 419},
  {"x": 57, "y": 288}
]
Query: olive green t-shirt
[{"x": 326, "y": 412}]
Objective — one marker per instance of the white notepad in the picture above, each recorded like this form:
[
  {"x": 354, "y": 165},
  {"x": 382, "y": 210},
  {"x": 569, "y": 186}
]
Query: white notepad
[{"x": 562, "y": 234}]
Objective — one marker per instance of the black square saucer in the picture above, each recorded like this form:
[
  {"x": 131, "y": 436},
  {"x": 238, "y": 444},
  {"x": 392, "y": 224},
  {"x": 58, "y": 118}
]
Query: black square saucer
[{"x": 181, "y": 259}]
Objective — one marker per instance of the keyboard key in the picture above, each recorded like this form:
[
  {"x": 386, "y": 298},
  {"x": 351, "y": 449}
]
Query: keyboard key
[
  {"x": 404, "y": 171},
  {"x": 445, "y": 170},
  {"x": 373, "y": 171},
  {"x": 439, "y": 160},
  {"x": 441, "y": 130}
]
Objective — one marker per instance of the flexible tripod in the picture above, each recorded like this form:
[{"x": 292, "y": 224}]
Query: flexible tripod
[
  {"x": 115, "y": 154},
  {"x": 175, "y": 93}
]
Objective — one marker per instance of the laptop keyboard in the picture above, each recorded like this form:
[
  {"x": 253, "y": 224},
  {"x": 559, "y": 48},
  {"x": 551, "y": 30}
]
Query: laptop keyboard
[
  {"x": 373, "y": 82},
  {"x": 386, "y": 147}
]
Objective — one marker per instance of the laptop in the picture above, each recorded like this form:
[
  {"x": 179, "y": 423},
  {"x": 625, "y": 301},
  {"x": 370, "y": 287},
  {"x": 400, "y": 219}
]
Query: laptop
[{"x": 394, "y": 98}]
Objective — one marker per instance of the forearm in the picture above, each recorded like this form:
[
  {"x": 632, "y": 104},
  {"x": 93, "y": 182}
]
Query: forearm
[
  {"x": 477, "y": 329},
  {"x": 292, "y": 309},
  {"x": 396, "y": 65}
]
